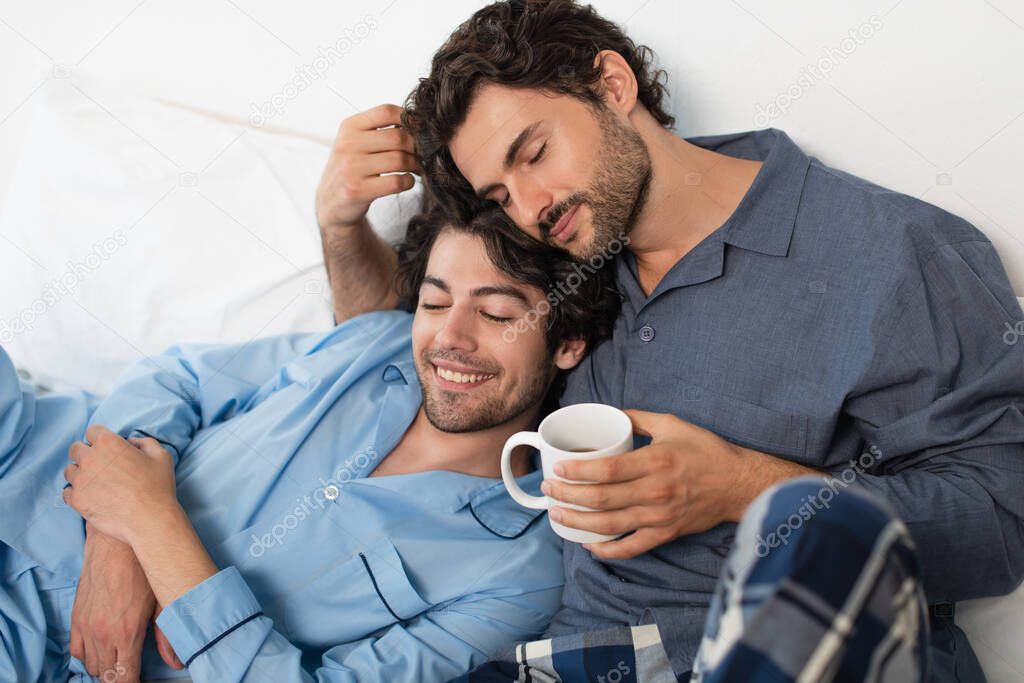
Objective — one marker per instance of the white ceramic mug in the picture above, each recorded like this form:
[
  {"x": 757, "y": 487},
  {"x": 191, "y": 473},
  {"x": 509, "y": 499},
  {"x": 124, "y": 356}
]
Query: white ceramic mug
[{"x": 578, "y": 432}]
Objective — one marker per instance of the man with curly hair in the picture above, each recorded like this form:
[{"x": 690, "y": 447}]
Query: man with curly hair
[{"x": 781, "y": 318}]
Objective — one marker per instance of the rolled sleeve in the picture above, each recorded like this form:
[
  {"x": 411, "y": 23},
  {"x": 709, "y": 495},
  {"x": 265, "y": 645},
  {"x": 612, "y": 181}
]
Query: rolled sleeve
[
  {"x": 944, "y": 407},
  {"x": 198, "y": 619},
  {"x": 171, "y": 396}
]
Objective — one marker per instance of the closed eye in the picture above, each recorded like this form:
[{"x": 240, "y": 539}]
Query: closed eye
[
  {"x": 540, "y": 153},
  {"x": 495, "y": 318},
  {"x": 536, "y": 157}
]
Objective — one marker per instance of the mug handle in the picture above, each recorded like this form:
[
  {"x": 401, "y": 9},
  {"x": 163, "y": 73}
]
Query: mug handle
[{"x": 517, "y": 493}]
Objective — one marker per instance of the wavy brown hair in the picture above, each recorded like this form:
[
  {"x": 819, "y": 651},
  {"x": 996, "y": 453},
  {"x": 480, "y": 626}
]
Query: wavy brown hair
[
  {"x": 587, "y": 312},
  {"x": 544, "y": 44}
]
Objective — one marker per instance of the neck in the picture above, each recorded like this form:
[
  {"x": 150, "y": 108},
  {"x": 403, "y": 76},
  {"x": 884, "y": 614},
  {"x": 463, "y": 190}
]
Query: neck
[
  {"x": 693, "y": 192},
  {"x": 424, "y": 447}
]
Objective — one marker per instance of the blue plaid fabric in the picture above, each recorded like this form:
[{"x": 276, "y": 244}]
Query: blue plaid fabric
[
  {"x": 821, "y": 584},
  {"x": 617, "y": 655}
]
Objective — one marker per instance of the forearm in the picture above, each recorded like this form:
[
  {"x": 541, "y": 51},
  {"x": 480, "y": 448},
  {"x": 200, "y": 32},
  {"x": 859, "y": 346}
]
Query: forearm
[
  {"x": 101, "y": 546},
  {"x": 360, "y": 267},
  {"x": 756, "y": 473},
  {"x": 171, "y": 554},
  {"x": 969, "y": 543}
]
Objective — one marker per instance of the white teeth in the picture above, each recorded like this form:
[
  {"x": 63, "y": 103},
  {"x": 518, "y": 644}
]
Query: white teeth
[{"x": 459, "y": 377}]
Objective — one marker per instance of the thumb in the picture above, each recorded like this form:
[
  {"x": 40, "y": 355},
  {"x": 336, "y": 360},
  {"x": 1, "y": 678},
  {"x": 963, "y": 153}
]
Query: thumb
[
  {"x": 148, "y": 445},
  {"x": 163, "y": 646},
  {"x": 648, "y": 424}
]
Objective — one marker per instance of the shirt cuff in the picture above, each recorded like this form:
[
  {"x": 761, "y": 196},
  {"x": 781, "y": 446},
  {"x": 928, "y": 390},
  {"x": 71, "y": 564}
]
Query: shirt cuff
[
  {"x": 207, "y": 613},
  {"x": 171, "y": 448}
]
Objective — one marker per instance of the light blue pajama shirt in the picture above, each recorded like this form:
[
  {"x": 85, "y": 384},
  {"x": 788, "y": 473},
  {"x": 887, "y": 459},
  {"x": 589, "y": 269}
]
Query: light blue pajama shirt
[{"x": 326, "y": 575}]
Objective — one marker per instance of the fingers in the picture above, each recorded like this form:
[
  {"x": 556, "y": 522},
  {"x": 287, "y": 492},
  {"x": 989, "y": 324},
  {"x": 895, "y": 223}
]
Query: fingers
[
  {"x": 649, "y": 424},
  {"x": 128, "y": 665},
  {"x": 610, "y": 523},
  {"x": 96, "y": 432},
  {"x": 103, "y": 658},
  {"x": 368, "y": 145},
  {"x": 149, "y": 446},
  {"x": 388, "y": 184},
  {"x": 630, "y": 546},
  {"x": 609, "y": 469},
  {"x": 391, "y": 161},
  {"x": 91, "y": 660},
  {"x": 384, "y": 140},
  {"x": 76, "y": 451},
  {"x": 163, "y": 646},
  {"x": 76, "y": 648},
  {"x": 377, "y": 117},
  {"x": 597, "y": 496},
  {"x": 71, "y": 472}
]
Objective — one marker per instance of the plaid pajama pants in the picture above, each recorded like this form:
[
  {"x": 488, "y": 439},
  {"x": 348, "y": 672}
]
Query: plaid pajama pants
[{"x": 817, "y": 587}]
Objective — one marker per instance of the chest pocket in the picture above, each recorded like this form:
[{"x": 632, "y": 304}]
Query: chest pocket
[
  {"x": 747, "y": 424},
  {"x": 350, "y": 600}
]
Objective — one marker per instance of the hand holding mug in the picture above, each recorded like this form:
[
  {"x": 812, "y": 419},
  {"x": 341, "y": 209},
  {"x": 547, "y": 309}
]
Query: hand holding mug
[{"x": 578, "y": 432}]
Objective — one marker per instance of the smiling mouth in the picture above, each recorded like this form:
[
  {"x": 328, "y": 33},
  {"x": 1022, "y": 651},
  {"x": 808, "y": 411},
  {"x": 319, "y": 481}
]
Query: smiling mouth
[
  {"x": 462, "y": 379},
  {"x": 561, "y": 230}
]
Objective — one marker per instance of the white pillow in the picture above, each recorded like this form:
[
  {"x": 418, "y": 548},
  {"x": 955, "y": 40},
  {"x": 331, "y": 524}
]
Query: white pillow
[{"x": 132, "y": 224}]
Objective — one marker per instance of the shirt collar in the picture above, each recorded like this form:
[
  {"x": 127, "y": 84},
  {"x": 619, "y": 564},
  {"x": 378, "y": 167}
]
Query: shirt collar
[
  {"x": 766, "y": 216},
  {"x": 489, "y": 503},
  {"x": 495, "y": 510},
  {"x": 763, "y": 221}
]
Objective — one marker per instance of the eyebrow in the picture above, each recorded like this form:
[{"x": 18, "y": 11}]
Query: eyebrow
[
  {"x": 437, "y": 282},
  {"x": 511, "y": 154},
  {"x": 486, "y": 290}
]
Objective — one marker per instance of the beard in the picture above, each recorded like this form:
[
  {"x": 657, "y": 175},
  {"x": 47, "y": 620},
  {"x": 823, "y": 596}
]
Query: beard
[
  {"x": 459, "y": 412},
  {"x": 616, "y": 196}
]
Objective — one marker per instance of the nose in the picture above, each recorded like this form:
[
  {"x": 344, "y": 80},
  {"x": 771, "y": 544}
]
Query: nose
[
  {"x": 531, "y": 201},
  {"x": 457, "y": 330}
]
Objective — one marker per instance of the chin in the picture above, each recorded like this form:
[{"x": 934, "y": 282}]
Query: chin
[
  {"x": 456, "y": 424},
  {"x": 455, "y": 417},
  {"x": 582, "y": 246}
]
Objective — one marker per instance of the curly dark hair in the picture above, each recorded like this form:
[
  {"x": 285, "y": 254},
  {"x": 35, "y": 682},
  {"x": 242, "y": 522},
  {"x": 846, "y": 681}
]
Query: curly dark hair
[
  {"x": 544, "y": 44},
  {"x": 586, "y": 312}
]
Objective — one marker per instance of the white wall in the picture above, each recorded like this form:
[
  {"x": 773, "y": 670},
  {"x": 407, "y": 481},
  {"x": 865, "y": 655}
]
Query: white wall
[{"x": 932, "y": 103}]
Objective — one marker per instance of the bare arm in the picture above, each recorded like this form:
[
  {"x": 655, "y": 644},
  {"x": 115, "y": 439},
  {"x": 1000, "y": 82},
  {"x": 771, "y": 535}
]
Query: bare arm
[
  {"x": 359, "y": 266},
  {"x": 372, "y": 157}
]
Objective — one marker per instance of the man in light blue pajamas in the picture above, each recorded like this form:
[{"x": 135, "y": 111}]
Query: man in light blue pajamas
[{"x": 311, "y": 506}]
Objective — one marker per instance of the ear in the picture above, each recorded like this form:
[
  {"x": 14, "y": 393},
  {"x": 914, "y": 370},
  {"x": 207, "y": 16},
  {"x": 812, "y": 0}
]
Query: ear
[
  {"x": 569, "y": 353},
  {"x": 617, "y": 81}
]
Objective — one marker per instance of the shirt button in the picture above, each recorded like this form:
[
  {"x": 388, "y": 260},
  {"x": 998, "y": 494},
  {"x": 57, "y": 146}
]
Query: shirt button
[
  {"x": 646, "y": 333},
  {"x": 331, "y": 492}
]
